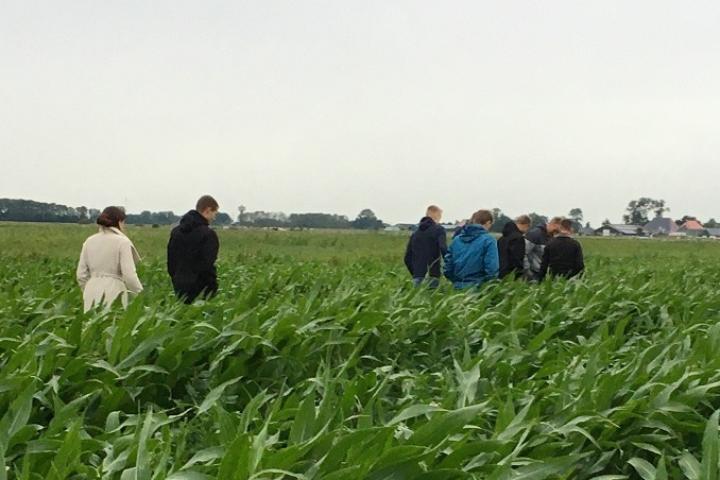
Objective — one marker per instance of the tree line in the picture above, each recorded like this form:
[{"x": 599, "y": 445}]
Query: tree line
[
  {"x": 14, "y": 210},
  {"x": 638, "y": 212}
]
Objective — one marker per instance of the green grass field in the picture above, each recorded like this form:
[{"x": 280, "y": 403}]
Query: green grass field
[{"x": 318, "y": 361}]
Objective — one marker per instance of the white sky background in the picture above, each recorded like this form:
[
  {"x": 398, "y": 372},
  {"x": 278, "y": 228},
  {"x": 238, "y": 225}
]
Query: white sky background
[{"x": 336, "y": 106}]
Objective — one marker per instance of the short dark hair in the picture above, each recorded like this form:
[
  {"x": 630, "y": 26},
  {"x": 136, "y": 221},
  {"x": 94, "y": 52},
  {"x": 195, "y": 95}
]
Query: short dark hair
[
  {"x": 481, "y": 217},
  {"x": 566, "y": 224},
  {"x": 111, "y": 217},
  {"x": 556, "y": 220},
  {"x": 205, "y": 202}
]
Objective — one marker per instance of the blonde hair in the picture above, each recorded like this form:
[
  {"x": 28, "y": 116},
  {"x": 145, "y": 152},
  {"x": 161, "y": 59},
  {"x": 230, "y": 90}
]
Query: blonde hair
[{"x": 432, "y": 209}]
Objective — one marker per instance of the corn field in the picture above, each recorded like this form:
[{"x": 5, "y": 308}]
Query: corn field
[{"x": 315, "y": 367}]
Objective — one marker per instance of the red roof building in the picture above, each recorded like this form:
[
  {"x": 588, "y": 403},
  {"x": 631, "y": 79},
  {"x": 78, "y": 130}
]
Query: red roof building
[{"x": 691, "y": 225}]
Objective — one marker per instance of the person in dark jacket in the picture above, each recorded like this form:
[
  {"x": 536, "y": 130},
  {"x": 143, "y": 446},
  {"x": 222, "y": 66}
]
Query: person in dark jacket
[
  {"x": 425, "y": 249},
  {"x": 511, "y": 247},
  {"x": 472, "y": 259},
  {"x": 192, "y": 252},
  {"x": 563, "y": 255},
  {"x": 535, "y": 242}
]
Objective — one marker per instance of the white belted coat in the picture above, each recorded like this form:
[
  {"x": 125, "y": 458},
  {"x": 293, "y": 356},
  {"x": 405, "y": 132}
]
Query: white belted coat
[{"x": 106, "y": 269}]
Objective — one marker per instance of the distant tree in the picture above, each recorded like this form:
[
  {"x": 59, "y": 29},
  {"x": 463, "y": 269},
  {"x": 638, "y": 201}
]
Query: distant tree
[
  {"x": 241, "y": 213},
  {"x": 318, "y": 220},
  {"x": 367, "y": 220},
  {"x": 31, "y": 211},
  {"x": 576, "y": 215},
  {"x": 147, "y": 217},
  {"x": 712, "y": 224},
  {"x": 606, "y": 222},
  {"x": 499, "y": 220},
  {"x": 262, "y": 219},
  {"x": 223, "y": 219},
  {"x": 638, "y": 211}
]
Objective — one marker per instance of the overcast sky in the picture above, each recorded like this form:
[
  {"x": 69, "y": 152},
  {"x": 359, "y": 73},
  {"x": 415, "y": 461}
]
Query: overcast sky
[{"x": 335, "y": 106}]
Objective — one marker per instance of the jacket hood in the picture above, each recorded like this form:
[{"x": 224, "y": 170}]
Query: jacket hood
[
  {"x": 472, "y": 232},
  {"x": 425, "y": 223},
  {"x": 510, "y": 228},
  {"x": 192, "y": 220}
]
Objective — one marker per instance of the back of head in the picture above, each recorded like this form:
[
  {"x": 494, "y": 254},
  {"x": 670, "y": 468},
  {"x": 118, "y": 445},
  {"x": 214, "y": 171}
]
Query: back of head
[
  {"x": 566, "y": 225},
  {"x": 556, "y": 220},
  {"x": 111, "y": 217},
  {"x": 481, "y": 217},
  {"x": 523, "y": 220},
  {"x": 434, "y": 212},
  {"x": 205, "y": 202}
]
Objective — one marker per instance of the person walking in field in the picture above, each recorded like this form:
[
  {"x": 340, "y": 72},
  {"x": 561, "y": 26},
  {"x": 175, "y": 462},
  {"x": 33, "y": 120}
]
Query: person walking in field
[
  {"x": 425, "y": 249},
  {"x": 563, "y": 255},
  {"x": 535, "y": 241},
  {"x": 511, "y": 247},
  {"x": 192, "y": 252},
  {"x": 106, "y": 270},
  {"x": 472, "y": 259}
]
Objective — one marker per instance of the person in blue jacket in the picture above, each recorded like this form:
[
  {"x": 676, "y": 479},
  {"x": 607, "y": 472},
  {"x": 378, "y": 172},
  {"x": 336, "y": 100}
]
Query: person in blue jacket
[{"x": 472, "y": 259}]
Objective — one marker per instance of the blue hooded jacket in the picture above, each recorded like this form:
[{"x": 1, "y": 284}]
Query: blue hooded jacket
[{"x": 472, "y": 258}]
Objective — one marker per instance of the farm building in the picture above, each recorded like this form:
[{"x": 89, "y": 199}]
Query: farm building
[
  {"x": 713, "y": 232},
  {"x": 661, "y": 226},
  {"x": 618, "y": 230},
  {"x": 693, "y": 228},
  {"x": 587, "y": 231}
]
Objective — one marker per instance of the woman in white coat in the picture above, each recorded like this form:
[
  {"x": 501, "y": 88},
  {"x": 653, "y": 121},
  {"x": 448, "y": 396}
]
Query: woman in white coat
[{"x": 106, "y": 270}]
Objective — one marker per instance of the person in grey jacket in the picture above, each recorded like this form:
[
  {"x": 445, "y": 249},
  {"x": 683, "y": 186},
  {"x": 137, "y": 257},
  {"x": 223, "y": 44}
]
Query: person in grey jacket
[{"x": 535, "y": 241}]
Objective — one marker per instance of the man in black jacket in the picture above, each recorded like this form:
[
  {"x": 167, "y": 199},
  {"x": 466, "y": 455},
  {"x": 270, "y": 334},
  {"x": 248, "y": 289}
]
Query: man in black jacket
[
  {"x": 192, "y": 252},
  {"x": 426, "y": 247},
  {"x": 535, "y": 242},
  {"x": 511, "y": 247},
  {"x": 563, "y": 255}
]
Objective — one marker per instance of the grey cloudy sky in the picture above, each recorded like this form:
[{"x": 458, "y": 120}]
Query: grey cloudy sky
[{"x": 336, "y": 105}]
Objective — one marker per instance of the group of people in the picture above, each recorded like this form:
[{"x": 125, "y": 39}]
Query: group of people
[
  {"x": 106, "y": 271},
  {"x": 474, "y": 257}
]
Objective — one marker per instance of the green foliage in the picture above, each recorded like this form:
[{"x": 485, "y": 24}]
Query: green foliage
[{"x": 319, "y": 361}]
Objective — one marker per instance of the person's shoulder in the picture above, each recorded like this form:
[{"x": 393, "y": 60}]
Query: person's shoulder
[
  {"x": 554, "y": 242},
  {"x": 123, "y": 241},
  {"x": 92, "y": 238},
  {"x": 535, "y": 235},
  {"x": 209, "y": 231}
]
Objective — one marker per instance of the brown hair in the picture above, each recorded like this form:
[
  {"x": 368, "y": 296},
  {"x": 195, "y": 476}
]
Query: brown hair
[
  {"x": 481, "y": 217},
  {"x": 523, "y": 220},
  {"x": 566, "y": 224},
  {"x": 557, "y": 220},
  {"x": 111, "y": 217},
  {"x": 206, "y": 201}
]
